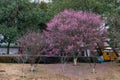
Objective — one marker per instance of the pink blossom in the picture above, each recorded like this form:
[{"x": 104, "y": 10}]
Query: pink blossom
[{"x": 70, "y": 29}]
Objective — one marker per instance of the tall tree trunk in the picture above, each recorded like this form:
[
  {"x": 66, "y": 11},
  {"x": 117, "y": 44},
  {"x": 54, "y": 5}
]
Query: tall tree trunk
[
  {"x": 75, "y": 58},
  {"x": 63, "y": 62},
  {"x": 8, "y": 47},
  {"x": 94, "y": 63}
]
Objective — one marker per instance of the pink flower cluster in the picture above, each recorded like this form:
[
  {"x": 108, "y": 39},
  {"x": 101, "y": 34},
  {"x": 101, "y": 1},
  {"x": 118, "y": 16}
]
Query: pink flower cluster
[{"x": 71, "y": 29}]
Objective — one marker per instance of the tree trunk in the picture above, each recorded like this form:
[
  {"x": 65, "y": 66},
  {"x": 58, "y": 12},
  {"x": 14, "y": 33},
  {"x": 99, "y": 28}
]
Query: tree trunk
[
  {"x": 32, "y": 68},
  {"x": 75, "y": 58},
  {"x": 94, "y": 63},
  {"x": 75, "y": 61},
  {"x": 23, "y": 74},
  {"x": 8, "y": 47},
  {"x": 63, "y": 62},
  {"x": 93, "y": 70}
]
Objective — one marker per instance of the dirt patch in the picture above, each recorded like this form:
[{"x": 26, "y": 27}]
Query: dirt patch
[{"x": 83, "y": 71}]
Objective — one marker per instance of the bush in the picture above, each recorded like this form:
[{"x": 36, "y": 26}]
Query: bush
[{"x": 8, "y": 59}]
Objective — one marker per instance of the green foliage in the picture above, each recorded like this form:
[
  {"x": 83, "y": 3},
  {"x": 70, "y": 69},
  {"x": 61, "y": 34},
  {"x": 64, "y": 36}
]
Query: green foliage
[
  {"x": 9, "y": 33},
  {"x": 114, "y": 22},
  {"x": 103, "y": 7},
  {"x": 98, "y": 6},
  {"x": 43, "y": 5},
  {"x": 19, "y": 16}
]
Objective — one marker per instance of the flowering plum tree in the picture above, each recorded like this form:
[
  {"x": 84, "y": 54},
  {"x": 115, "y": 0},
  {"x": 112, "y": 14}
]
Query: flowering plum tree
[
  {"x": 74, "y": 29},
  {"x": 33, "y": 44}
]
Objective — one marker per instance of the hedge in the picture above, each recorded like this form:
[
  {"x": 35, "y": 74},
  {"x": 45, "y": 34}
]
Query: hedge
[{"x": 44, "y": 59}]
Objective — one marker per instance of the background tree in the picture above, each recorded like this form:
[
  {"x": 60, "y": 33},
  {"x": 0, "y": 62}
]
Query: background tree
[
  {"x": 10, "y": 35},
  {"x": 17, "y": 16},
  {"x": 114, "y": 29},
  {"x": 113, "y": 22},
  {"x": 103, "y": 7},
  {"x": 74, "y": 29}
]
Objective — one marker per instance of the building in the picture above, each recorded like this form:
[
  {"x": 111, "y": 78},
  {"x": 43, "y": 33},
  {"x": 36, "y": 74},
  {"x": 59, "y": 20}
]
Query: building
[{"x": 13, "y": 50}]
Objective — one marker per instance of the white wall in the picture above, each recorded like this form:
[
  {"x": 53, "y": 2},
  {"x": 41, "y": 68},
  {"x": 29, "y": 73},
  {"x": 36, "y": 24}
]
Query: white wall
[{"x": 3, "y": 50}]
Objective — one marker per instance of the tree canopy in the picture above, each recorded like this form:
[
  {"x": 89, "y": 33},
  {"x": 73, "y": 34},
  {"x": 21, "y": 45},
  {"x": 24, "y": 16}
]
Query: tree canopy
[
  {"x": 19, "y": 16},
  {"x": 71, "y": 30}
]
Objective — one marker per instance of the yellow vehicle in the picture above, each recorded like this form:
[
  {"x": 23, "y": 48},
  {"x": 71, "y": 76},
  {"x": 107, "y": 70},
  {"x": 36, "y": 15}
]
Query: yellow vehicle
[{"x": 109, "y": 54}]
